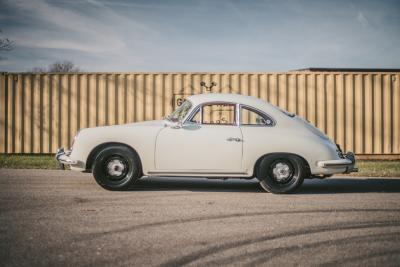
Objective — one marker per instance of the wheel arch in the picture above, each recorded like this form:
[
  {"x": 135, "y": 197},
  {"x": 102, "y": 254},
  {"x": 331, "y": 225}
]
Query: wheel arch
[
  {"x": 93, "y": 153},
  {"x": 258, "y": 161}
]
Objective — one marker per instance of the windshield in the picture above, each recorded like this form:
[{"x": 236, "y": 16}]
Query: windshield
[{"x": 180, "y": 113}]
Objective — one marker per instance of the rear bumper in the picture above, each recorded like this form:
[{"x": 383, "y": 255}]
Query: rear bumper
[
  {"x": 63, "y": 157},
  {"x": 347, "y": 163}
]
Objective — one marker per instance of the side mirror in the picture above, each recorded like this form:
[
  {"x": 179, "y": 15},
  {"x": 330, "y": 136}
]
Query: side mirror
[
  {"x": 176, "y": 125},
  {"x": 191, "y": 126}
]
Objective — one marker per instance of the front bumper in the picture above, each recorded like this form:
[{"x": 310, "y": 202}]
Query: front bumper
[
  {"x": 63, "y": 157},
  {"x": 347, "y": 162}
]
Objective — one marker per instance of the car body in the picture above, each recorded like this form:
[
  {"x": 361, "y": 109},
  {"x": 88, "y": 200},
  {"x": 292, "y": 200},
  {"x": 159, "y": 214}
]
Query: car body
[{"x": 214, "y": 135}]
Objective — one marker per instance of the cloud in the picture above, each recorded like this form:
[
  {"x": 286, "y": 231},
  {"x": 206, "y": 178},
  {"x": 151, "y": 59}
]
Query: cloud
[
  {"x": 200, "y": 35},
  {"x": 61, "y": 28},
  {"x": 362, "y": 19},
  {"x": 92, "y": 27}
]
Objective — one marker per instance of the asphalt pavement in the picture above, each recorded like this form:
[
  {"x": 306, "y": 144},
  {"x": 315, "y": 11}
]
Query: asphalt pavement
[{"x": 56, "y": 218}]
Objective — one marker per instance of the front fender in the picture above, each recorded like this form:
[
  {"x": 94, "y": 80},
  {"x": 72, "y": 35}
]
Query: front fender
[{"x": 140, "y": 137}]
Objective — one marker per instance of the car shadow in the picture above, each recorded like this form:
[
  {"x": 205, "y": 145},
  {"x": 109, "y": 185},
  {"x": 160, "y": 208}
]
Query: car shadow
[
  {"x": 333, "y": 185},
  {"x": 196, "y": 185},
  {"x": 350, "y": 185}
]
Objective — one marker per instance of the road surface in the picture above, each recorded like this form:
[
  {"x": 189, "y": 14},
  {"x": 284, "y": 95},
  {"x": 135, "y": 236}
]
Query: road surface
[{"x": 50, "y": 218}]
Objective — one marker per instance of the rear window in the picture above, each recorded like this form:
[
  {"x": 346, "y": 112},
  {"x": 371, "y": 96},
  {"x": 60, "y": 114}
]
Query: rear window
[{"x": 249, "y": 116}]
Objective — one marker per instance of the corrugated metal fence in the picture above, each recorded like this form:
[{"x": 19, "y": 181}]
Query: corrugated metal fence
[{"x": 41, "y": 112}]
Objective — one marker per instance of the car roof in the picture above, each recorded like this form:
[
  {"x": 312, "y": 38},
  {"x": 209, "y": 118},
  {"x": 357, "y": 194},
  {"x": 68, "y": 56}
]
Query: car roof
[
  {"x": 235, "y": 98},
  {"x": 251, "y": 101}
]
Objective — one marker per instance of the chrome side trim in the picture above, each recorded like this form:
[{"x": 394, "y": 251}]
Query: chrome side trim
[{"x": 196, "y": 173}]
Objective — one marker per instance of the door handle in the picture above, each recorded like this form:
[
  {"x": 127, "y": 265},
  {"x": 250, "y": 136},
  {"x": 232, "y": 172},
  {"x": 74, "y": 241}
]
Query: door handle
[{"x": 236, "y": 139}]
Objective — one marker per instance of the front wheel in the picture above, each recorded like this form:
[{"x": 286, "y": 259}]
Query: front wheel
[
  {"x": 116, "y": 168},
  {"x": 281, "y": 173}
]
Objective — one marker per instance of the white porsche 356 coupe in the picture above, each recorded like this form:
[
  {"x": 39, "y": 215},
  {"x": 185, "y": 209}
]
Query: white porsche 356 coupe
[{"x": 210, "y": 135}]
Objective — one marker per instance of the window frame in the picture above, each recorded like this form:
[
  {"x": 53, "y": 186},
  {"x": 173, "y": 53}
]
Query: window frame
[
  {"x": 199, "y": 108},
  {"x": 192, "y": 114},
  {"x": 258, "y": 111}
]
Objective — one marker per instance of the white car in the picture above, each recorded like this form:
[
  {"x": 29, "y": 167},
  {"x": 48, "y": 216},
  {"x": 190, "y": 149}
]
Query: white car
[{"x": 210, "y": 135}]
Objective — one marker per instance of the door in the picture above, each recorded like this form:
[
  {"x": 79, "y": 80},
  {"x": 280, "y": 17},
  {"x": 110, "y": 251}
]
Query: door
[{"x": 209, "y": 142}]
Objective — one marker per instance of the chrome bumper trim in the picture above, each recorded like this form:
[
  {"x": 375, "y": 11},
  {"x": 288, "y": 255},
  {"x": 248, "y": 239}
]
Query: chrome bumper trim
[
  {"x": 334, "y": 163},
  {"x": 347, "y": 162},
  {"x": 62, "y": 156}
]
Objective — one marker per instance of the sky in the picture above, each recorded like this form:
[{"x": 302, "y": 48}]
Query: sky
[{"x": 196, "y": 35}]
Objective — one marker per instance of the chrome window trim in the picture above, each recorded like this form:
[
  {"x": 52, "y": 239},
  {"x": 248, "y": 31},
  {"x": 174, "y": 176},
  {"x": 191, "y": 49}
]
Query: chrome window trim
[
  {"x": 200, "y": 109},
  {"x": 257, "y": 111},
  {"x": 192, "y": 114},
  {"x": 237, "y": 114}
]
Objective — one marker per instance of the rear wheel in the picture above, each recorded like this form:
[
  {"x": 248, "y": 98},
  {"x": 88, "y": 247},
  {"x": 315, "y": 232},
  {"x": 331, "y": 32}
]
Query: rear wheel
[
  {"x": 281, "y": 173},
  {"x": 116, "y": 168}
]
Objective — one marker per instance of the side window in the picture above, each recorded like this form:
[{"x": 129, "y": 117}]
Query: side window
[
  {"x": 252, "y": 117},
  {"x": 223, "y": 114}
]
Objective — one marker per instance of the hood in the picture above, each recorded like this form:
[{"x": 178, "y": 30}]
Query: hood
[
  {"x": 121, "y": 127},
  {"x": 145, "y": 123}
]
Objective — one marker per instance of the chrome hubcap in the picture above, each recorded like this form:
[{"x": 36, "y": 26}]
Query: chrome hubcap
[
  {"x": 115, "y": 167},
  {"x": 281, "y": 171}
]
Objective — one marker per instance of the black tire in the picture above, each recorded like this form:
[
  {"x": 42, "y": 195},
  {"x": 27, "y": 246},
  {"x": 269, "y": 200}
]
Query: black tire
[
  {"x": 281, "y": 173},
  {"x": 116, "y": 168}
]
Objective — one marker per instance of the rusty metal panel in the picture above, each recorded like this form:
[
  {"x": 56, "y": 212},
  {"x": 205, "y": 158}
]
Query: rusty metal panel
[
  {"x": 9, "y": 114},
  {"x": 396, "y": 112},
  {"x": 44, "y": 114},
  {"x": 3, "y": 113},
  {"x": 40, "y": 112},
  {"x": 387, "y": 114},
  {"x": 54, "y": 113},
  {"x": 340, "y": 110}
]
